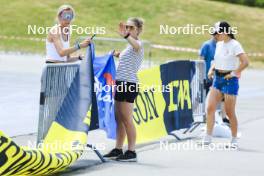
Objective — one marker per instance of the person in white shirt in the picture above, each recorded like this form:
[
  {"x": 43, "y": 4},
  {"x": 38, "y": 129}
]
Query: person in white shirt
[
  {"x": 229, "y": 61},
  {"x": 58, "y": 48}
]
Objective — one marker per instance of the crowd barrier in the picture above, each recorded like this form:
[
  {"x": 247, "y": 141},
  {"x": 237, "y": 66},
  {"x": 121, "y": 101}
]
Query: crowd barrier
[
  {"x": 65, "y": 106},
  {"x": 55, "y": 83},
  {"x": 160, "y": 113},
  {"x": 68, "y": 110},
  {"x": 56, "y": 79}
]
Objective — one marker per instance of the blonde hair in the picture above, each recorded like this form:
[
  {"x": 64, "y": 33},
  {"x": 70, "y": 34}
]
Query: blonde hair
[{"x": 62, "y": 8}]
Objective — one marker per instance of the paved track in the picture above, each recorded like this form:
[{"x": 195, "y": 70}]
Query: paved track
[{"x": 19, "y": 91}]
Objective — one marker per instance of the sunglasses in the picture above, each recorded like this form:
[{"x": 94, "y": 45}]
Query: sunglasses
[
  {"x": 67, "y": 16},
  {"x": 129, "y": 27}
]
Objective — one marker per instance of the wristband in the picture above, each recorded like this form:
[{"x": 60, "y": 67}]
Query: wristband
[
  {"x": 127, "y": 36},
  {"x": 80, "y": 58},
  {"x": 77, "y": 46}
]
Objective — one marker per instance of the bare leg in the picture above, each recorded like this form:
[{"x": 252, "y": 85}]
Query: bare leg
[
  {"x": 215, "y": 97},
  {"x": 121, "y": 132},
  {"x": 230, "y": 103},
  {"x": 127, "y": 119}
]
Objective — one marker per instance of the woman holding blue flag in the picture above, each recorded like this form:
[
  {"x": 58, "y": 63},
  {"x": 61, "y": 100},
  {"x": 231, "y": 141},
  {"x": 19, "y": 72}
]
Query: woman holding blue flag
[{"x": 127, "y": 89}]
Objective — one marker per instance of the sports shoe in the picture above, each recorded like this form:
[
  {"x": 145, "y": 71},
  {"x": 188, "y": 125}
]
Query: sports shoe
[
  {"x": 234, "y": 143},
  {"x": 113, "y": 154},
  {"x": 207, "y": 140},
  {"x": 128, "y": 156}
]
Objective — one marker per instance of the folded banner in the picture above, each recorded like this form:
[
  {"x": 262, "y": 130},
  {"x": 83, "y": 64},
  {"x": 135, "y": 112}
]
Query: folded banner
[
  {"x": 67, "y": 135},
  {"x": 104, "y": 75}
]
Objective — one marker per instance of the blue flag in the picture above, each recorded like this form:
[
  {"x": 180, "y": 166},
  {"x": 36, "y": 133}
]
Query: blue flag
[{"x": 104, "y": 75}]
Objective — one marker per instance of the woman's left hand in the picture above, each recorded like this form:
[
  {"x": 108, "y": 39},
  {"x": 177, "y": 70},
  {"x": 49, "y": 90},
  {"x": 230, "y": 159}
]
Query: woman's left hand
[
  {"x": 229, "y": 76},
  {"x": 85, "y": 43},
  {"x": 232, "y": 74}
]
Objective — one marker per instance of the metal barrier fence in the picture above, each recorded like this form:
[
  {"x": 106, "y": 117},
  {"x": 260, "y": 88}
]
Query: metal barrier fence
[
  {"x": 198, "y": 91},
  {"x": 55, "y": 83},
  {"x": 57, "y": 78}
]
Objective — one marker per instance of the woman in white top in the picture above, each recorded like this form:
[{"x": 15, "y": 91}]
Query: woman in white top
[
  {"x": 229, "y": 61},
  {"x": 58, "y": 48}
]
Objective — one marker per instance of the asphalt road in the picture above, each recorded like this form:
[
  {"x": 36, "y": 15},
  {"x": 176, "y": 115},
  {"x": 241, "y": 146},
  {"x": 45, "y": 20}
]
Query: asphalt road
[{"x": 19, "y": 98}]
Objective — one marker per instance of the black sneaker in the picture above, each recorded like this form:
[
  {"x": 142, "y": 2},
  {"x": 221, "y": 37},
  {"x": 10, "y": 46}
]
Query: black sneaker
[
  {"x": 128, "y": 156},
  {"x": 113, "y": 154}
]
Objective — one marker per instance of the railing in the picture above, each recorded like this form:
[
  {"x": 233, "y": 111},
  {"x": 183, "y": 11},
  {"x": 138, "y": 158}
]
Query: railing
[
  {"x": 198, "y": 91},
  {"x": 55, "y": 83}
]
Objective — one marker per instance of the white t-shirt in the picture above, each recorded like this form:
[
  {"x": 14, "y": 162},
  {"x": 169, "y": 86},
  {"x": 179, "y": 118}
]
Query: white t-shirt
[{"x": 226, "y": 55}]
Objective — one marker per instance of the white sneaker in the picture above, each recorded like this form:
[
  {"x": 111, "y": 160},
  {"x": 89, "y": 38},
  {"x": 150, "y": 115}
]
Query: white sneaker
[
  {"x": 234, "y": 143},
  {"x": 207, "y": 140}
]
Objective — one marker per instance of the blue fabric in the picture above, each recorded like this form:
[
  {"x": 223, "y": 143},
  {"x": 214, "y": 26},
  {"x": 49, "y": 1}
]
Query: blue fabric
[
  {"x": 225, "y": 86},
  {"x": 207, "y": 51},
  {"x": 104, "y": 72},
  {"x": 78, "y": 100}
]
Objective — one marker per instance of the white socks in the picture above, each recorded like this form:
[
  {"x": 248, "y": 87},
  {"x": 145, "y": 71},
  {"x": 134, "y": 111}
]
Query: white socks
[{"x": 207, "y": 139}]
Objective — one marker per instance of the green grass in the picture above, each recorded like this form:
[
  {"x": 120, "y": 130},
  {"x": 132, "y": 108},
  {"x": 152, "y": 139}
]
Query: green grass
[{"x": 17, "y": 14}]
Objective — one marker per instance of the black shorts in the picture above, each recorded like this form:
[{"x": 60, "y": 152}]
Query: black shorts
[{"x": 126, "y": 91}]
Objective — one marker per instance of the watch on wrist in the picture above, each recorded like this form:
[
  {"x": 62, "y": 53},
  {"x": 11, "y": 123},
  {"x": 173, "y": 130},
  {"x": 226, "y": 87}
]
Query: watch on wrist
[
  {"x": 127, "y": 36},
  {"x": 77, "y": 46}
]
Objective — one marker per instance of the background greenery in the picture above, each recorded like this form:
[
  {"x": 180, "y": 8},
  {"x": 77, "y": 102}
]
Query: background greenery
[
  {"x": 16, "y": 15},
  {"x": 257, "y": 3}
]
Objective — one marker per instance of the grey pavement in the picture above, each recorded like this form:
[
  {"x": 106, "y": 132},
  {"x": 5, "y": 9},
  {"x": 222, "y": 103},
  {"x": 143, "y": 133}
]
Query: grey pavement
[{"x": 19, "y": 96}]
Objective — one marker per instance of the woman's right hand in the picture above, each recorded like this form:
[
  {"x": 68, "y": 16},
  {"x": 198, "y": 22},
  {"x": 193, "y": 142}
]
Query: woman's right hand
[
  {"x": 85, "y": 43},
  {"x": 210, "y": 74},
  {"x": 116, "y": 53}
]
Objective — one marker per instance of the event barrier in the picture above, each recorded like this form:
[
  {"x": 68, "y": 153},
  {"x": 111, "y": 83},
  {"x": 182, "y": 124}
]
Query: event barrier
[
  {"x": 191, "y": 72},
  {"x": 180, "y": 104},
  {"x": 70, "y": 100},
  {"x": 55, "y": 84},
  {"x": 68, "y": 110}
]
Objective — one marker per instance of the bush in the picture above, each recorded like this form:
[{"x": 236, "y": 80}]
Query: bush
[{"x": 253, "y": 3}]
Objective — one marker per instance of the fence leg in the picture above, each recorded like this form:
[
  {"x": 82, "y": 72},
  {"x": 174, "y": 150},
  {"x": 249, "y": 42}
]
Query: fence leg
[
  {"x": 191, "y": 129},
  {"x": 177, "y": 137},
  {"x": 195, "y": 126},
  {"x": 97, "y": 152}
]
